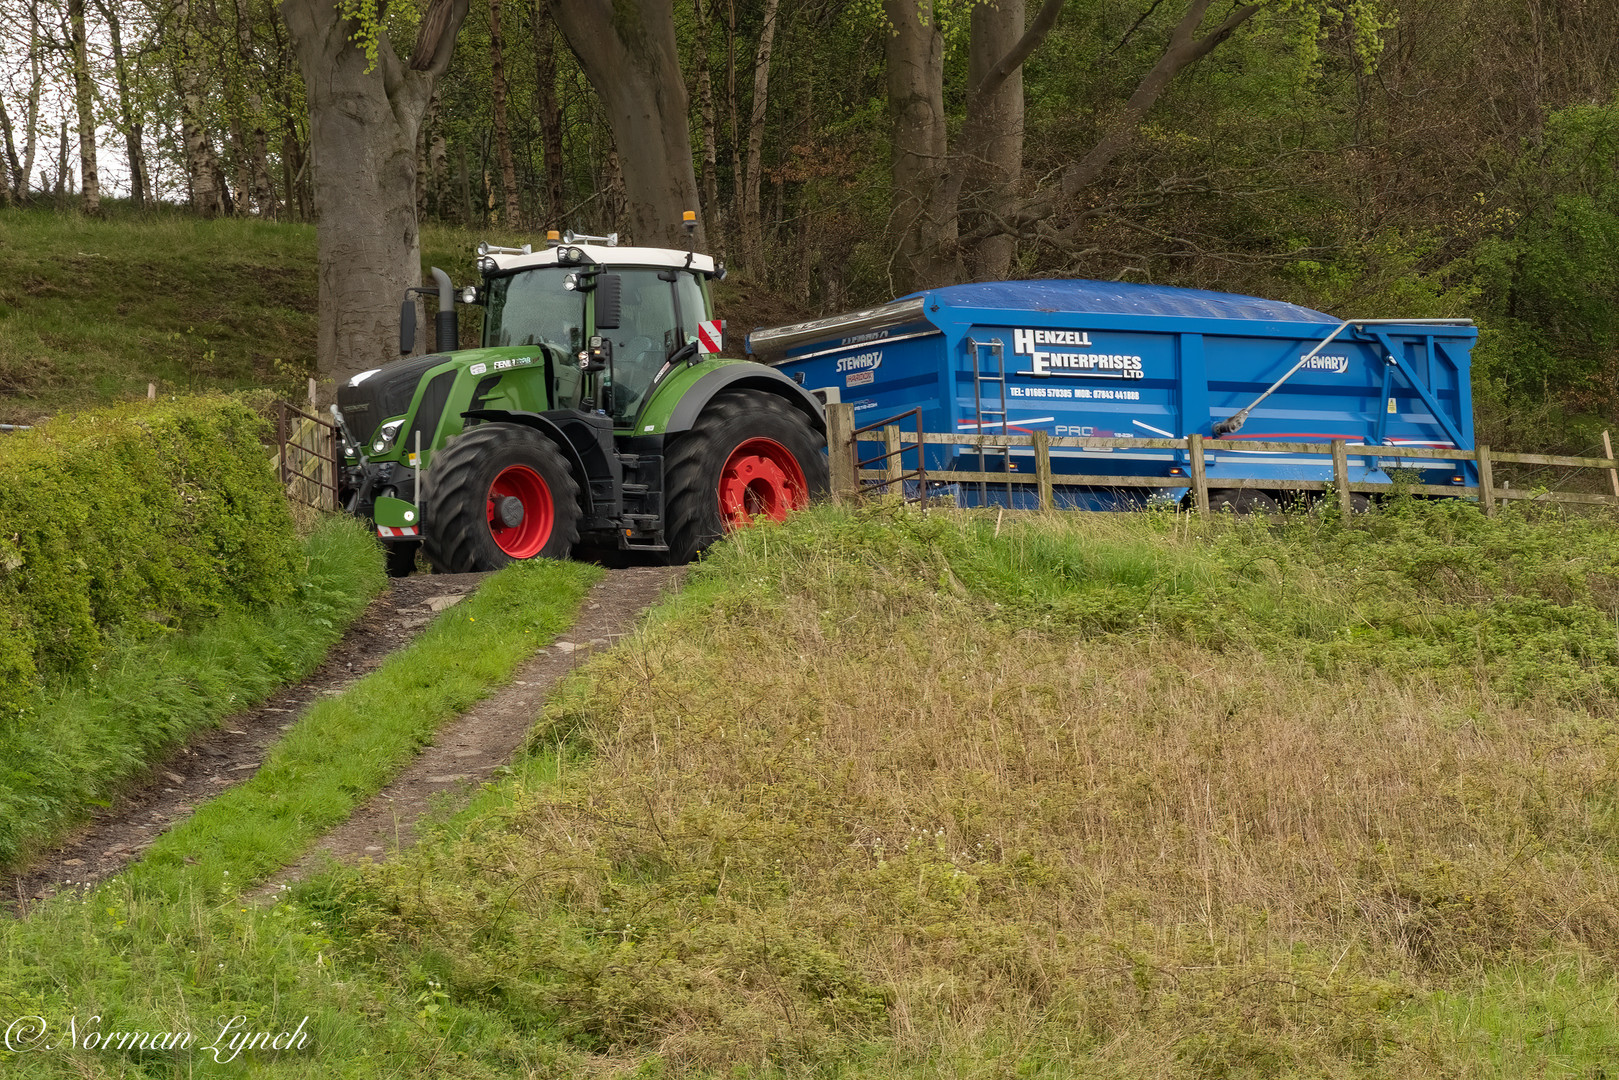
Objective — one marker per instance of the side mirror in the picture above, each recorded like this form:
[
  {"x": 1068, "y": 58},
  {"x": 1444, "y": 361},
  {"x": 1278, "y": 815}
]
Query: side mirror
[
  {"x": 407, "y": 327},
  {"x": 609, "y": 301}
]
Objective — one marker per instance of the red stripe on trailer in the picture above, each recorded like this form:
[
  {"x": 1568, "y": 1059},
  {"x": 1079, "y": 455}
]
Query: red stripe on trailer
[{"x": 709, "y": 334}]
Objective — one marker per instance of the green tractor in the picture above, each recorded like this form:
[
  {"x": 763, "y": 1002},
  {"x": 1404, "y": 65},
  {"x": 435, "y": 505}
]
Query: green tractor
[{"x": 595, "y": 419}]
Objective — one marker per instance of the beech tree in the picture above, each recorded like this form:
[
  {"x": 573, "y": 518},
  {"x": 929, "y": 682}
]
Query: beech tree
[
  {"x": 365, "y": 108},
  {"x": 627, "y": 49}
]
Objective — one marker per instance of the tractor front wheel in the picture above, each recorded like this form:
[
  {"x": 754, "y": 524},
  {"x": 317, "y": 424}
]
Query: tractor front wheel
[
  {"x": 749, "y": 454},
  {"x": 495, "y": 493}
]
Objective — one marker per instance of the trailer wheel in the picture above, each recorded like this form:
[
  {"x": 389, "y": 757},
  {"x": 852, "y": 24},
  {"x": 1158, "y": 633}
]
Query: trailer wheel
[
  {"x": 496, "y": 493},
  {"x": 749, "y": 454},
  {"x": 1242, "y": 501}
]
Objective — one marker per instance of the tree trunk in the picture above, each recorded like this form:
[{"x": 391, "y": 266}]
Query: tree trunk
[
  {"x": 10, "y": 173},
  {"x": 242, "y": 204},
  {"x": 513, "y": 215},
  {"x": 466, "y": 185},
  {"x": 752, "y": 218},
  {"x": 627, "y": 49},
  {"x": 616, "y": 201},
  {"x": 36, "y": 77},
  {"x": 705, "y": 111},
  {"x": 732, "y": 112},
  {"x": 255, "y": 141},
  {"x": 202, "y": 164},
  {"x": 362, "y": 137},
  {"x": 923, "y": 219},
  {"x": 134, "y": 125},
  {"x": 85, "y": 105},
  {"x": 438, "y": 172},
  {"x": 550, "y": 113},
  {"x": 992, "y": 138},
  {"x": 63, "y": 183}
]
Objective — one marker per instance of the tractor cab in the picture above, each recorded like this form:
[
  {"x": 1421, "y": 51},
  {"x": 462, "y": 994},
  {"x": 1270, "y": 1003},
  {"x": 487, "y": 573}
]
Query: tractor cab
[{"x": 626, "y": 315}]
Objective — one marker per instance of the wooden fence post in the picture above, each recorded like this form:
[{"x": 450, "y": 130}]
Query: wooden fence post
[
  {"x": 151, "y": 391},
  {"x": 840, "y": 452},
  {"x": 1200, "y": 475},
  {"x": 1607, "y": 452},
  {"x": 1340, "y": 477},
  {"x": 894, "y": 463},
  {"x": 1042, "y": 468},
  {"x": 1486, "y": 481}
]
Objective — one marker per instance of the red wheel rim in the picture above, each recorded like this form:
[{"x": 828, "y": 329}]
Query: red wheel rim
[
  {"x": 525, "y": 539},
  {"x": 761, "y": 477}
]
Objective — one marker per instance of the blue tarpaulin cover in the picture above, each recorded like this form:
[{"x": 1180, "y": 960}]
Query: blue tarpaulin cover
[{"x": 1122, "y": 298}]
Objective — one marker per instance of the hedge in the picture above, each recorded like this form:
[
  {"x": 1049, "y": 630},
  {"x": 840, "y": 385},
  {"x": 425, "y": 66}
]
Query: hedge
[{"x": 120, "y": 522}]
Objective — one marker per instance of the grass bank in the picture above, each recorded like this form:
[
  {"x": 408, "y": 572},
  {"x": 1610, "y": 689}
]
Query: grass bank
[
  {"x": 93, "y": 310},
  {"x": 880, "y": 795},
  {"x": 79, "y": 739}
]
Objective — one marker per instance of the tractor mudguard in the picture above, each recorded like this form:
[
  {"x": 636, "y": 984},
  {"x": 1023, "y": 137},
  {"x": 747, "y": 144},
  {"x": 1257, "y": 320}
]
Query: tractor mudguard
[
  {"x": 679, "y": 402},
  {"x": 587, "y": 443}
]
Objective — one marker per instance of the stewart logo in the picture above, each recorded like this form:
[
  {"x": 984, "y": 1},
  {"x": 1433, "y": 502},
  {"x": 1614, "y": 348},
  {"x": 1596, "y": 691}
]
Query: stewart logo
[{"x": 1335, "y": 364}]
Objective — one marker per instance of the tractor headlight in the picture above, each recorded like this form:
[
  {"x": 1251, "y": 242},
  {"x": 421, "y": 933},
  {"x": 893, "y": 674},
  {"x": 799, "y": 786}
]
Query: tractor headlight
[
  {"x": 486, "y": 265},
  {"x": 385, "y": 437}
]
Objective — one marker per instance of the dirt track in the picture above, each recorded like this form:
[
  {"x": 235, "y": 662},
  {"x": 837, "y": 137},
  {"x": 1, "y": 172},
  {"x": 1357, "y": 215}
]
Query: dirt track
[{"x": 465, "y": 751}]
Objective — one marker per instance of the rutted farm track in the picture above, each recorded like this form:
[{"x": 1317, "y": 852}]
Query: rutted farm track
[{"x": 465, "y": 750}]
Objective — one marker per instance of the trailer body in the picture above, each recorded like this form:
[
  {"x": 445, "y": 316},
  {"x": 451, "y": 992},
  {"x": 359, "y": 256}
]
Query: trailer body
[{"x": 1117, "y": 360}]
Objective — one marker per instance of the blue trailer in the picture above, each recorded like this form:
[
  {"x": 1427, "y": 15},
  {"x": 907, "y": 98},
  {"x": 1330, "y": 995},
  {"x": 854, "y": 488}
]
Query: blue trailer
[{"x": 1125, "y": 361}]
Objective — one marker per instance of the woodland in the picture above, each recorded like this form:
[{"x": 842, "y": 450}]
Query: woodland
[{"x": 1376, "y": 158}]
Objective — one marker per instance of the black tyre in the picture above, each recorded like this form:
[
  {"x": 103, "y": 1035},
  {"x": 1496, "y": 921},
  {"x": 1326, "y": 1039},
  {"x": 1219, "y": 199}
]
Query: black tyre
[
  {"x": 1242, "y": 501},
  {"x": 401, "y": 557},
  {"x": 496, "y": 493},
  {"x": 749, "y": 454}
]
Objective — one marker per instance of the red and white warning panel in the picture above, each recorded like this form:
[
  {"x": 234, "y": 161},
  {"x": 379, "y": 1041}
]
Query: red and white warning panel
[
  {"x": 387, "y": 531},
  {"x": 709, "y": 335}
]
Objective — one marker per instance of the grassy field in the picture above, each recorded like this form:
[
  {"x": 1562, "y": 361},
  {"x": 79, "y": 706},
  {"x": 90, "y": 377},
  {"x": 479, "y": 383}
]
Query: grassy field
[{"x": 884, "y": 795}]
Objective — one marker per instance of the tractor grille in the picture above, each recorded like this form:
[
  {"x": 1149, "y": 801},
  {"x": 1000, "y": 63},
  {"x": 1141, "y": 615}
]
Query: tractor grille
[
  {"x": 385, "y": 394},
  {"x": 431, "y": 408}
]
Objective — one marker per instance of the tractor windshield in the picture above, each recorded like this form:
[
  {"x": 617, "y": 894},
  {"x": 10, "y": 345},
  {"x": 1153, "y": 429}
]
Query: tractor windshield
[{"x": 533, "y": 307}]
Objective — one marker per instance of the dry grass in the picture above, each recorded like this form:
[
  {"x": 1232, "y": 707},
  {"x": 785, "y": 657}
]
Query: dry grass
[{"x": 852, "y": 813}]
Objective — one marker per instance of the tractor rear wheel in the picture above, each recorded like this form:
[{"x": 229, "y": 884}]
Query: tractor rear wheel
[
  {"x": 495, "y": 493},
  {"x": 749, "y": 454}
]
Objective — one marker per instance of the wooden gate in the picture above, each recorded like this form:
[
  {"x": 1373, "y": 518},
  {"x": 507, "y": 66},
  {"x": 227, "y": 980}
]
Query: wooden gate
[{"x": 307, "y": 457}]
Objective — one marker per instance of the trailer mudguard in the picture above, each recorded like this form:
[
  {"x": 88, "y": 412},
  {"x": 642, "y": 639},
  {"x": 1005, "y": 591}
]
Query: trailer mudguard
[{"x": 681, "y": 398}]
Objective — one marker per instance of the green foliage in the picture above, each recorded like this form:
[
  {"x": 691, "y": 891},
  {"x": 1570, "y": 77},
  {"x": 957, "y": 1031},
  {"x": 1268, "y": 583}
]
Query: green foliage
[
  {"x": 1551, "y": 270},
  {"x": 80, "y": 738},
  {"x": 122, "y": 520}
]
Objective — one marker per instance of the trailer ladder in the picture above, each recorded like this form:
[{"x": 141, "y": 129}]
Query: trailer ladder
[{"x": 994, "y": 381}]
